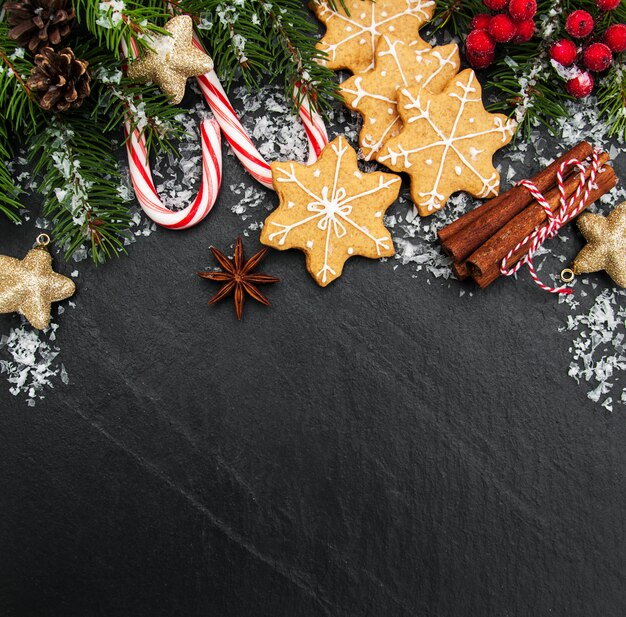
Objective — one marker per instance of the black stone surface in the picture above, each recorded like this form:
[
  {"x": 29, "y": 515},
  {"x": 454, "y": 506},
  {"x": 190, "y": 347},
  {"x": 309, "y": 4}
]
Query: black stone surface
[{"x": 381, "y": 447}]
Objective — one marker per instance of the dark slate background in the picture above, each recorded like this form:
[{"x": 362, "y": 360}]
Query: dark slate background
[{"x": 381, "y": 447}]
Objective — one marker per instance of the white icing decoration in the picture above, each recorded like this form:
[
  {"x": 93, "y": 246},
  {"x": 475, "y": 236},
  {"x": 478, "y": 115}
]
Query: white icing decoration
[
  {"x": 433, "y": 199},
  {"x": 331, "y": 208},
  {"x": 309, "y": 244},
  {"x": 316, "y": 173},
  {"x": 474, "y": 152},
  {"x": 350, "y": 250},
  {"x": 458, "y": 170}
]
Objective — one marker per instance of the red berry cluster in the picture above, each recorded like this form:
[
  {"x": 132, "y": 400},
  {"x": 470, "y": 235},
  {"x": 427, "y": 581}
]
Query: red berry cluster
[
  {"x": 512, "y": 23},
  {"x": 594, "y": 52}
]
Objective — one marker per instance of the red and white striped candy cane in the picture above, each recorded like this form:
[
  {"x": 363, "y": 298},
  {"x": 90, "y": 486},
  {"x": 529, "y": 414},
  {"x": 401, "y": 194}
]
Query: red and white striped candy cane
[
  {"x": 146, "y": 191},
  {"x": 555, "y": 220},
  {"x": 143, "y": 183}
]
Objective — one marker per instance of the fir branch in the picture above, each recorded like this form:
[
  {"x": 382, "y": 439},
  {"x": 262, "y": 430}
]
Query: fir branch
[
  {"x": 8, "y": 189},
  {"x": 117, "y": 100},
  {"x": 80, "y": 186},
  {"x": 455, "y": 15},
  {"x": 612, "y": 100},
  {"x": 17, "y": 103},
  {"x": 263, "y": 39},
  {"x": 112, "y": 22},
  {"x": 523, "y": 86}
]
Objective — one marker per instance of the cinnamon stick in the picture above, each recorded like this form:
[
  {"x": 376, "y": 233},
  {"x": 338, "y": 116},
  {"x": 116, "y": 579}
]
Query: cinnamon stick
[
  {"x": 460, "y": 270},
  {"x": 462, "y": 237},
  {"x": 484, "y": 264}
]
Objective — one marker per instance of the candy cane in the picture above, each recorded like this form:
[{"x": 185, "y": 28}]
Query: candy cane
[
  {"x": 143, "y": 183},
  {"x": 146, "y": 191}
]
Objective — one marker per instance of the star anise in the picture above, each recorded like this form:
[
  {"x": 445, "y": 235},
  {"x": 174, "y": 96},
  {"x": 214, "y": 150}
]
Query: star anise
[{"x": 237, "y": 277}]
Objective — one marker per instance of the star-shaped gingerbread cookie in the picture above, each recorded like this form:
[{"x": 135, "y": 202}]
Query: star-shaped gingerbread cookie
[
  {"x": 173, "y": 60},
  {"x": 331, "y": 210},
  {"x": 350, "y": 41},
  {"x": 30, "y": 285},
  {"x": 606, "y": 244},
  {"x": 398, "y": 65},
  {"x": 447, "y": 143}
]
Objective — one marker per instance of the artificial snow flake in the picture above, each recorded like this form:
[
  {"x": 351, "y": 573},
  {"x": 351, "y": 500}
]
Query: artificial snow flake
[{"x": 30, "y": 363}]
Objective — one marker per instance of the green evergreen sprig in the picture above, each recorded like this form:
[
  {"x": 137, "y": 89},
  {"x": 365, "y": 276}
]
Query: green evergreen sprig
[
  {"x": 17, "y": 104},
  {"x": 138, "y": 20},
  {"x": 9, "y": 205},
  {"x": 81, "y": 186},
  {"x": 261, "y": 39}
]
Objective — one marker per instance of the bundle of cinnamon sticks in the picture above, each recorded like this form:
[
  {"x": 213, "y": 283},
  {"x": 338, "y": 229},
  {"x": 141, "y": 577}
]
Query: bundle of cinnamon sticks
[{"x": 479, "y": 240}]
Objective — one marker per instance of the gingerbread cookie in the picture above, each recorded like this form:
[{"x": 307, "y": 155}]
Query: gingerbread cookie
[
  {"x": 398, "y": 64},
  {"x": 447, "y": 143},
  {"x": 350, "y": 41},
  {"x": 331, "y": 211}
]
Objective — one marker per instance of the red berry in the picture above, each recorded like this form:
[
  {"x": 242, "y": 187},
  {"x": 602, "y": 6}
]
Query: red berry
[
  {"x": 524, "y": 31},
  {"x": 607, "y": 5},
  {"x": 495, "y": 5},
  {"x": 580, "y": 86},
  {"x": 479, "y": 43},
  {"x": 598, "y": 57},
  {"x": 501, "y": 28},
  {"x": 579, "y": 24},
  {"x": 480, "y": 21},
  {"x": 615, "y": 38},
  {"x": 480, "y": 61},
  {"x": 564, "y": 52},
  {"x": 521, "y": 10}
]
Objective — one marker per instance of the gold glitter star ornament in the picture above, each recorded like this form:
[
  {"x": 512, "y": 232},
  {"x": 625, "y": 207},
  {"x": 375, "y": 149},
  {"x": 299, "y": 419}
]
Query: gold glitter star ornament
[
  {"x": 606, "y": 244},
  {"x": 173, "y": 59},
  {"x": 29, "y": 286}
]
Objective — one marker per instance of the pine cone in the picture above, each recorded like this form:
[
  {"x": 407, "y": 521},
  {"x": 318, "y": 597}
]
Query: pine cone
[
  {"x": 62, "y": 79},
  {"x": 37, "y": 23}
]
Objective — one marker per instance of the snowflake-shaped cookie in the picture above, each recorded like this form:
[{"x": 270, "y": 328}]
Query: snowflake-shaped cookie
[
  {"x": 447, "y": 143},
  {"x": 398, "y": 65},
  {"x": 331, "y": 211},
  {"x": 350, "y": 41}
]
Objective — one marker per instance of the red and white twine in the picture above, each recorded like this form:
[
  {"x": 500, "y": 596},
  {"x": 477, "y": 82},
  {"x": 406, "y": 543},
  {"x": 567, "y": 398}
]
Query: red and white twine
[
  {"x": 227, "y": 120},
  {"x": 555, "y": 220}
]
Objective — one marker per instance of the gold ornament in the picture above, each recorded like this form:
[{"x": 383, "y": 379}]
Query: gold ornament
[
  {"x": 173, "y": 60},
  {"x": 606, "y": 244},
  {"x": 29, "y": 286}
]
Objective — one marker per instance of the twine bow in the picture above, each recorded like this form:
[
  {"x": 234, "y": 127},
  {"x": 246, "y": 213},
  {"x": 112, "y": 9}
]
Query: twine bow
[{"x": 555, "y": 220}]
